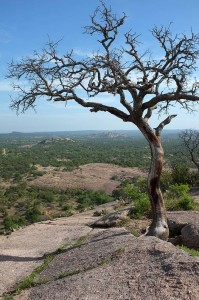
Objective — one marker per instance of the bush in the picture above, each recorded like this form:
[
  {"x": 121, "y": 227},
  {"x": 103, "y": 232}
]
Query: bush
[
  {"x": 34, "y": 213},
  {"x": 12, "y": 223},
  {"x": 46, "y": 195},
  {"x": 142, "y": 207},
  {"x": 166, "y": 180},
  {"x": 178, "y": 190},
  {"x": 67, "y": 207},
  {"x": 130, "y": 191},
  {"x": 179, "y": 174},
  {"x": 89, "y": 199},
  {"x": 178, "y": 198}
]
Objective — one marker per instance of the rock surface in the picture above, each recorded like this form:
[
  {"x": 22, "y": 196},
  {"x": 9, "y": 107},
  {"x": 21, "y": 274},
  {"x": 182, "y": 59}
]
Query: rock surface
[
  {"x": 185, "y": 226},
  {"x": 113, "y": 219},
  {"x": 23, "y": 250},
  {"x": 178, "y": 219},
  {"x": 98, "y": 263},
  {"x": 190, "y": 235},
  {"x": 114, "y": 265}
]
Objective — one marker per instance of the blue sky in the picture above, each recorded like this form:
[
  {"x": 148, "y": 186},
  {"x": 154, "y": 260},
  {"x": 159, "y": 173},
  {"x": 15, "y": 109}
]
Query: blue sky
[{"x": 25, "y": 26}]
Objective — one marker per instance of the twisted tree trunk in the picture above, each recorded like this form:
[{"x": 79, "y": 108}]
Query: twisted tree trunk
[{"x": 158, "y": 227}]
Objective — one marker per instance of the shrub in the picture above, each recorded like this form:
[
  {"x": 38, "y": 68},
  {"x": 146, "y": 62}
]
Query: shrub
[
  {"x": 100, "y": 197},
  {"x": 135, "y": 233},
  {"x": 46, "y": 195},
  {"x": 142, "y": 207},
  {"x": 34, "y": 213},
  {"x": 13, "y": 222},
  {"x": 129, "y": 191},
  {"x": 166, "y": 180},
  {"x": 67, "y": 207},
  {"x": 178, "y": 190},
  {"x": 179, "y": 174},
  {"x": 181, "y": 203},
  {"x": 178, "y": 198},
  {"x": 89, "y": 199}
]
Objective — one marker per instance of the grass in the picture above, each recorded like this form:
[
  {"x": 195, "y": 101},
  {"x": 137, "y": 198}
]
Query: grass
[
  {"x": 69, "y": 273},
  {"x": 192, "y": 252},
  {"x": 135, "y": 233},
  {"x": 81, "y": 240},
  {"x": 30, "y": 280},
  {"x": 7, "y": 297}
]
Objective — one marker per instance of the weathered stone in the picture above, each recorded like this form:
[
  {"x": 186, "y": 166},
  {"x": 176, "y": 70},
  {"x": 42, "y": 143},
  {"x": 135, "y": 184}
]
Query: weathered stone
[
  {"x": 177, "y": 240},
  {"x": 190, "y": 235},
  {"x": 114, "y": 265},
  {"x": 178, "y": 219},
  {"x": 113, "y": 219}
]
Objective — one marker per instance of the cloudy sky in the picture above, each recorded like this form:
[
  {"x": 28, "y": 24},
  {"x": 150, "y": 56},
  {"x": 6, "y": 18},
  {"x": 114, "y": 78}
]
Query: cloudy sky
[{"x": 26, "y": 25}]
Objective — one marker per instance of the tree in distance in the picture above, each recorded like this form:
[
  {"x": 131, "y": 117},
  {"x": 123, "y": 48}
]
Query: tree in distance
[
  {"x": 190, "y": 141},
  {"x": 139, "y": 83}
]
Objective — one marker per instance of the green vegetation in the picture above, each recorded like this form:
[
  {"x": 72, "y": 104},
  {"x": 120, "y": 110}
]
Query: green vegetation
[
  {"x": 176, "y": 196},
  {"x": 89, "y": 199},
  {"x": 135, "y": 233},
  {"x": 20, "y": 154},
  {"x": 135, "y": 193},
  {"x": 31, "y": 280},
  {"x": 193, "y": 252},
  {"x": 23, "y": 156},
  {"x": 22, "y": 204}
]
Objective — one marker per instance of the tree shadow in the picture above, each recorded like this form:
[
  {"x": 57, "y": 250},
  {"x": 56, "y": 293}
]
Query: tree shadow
[{"x": 19, "y": 259}]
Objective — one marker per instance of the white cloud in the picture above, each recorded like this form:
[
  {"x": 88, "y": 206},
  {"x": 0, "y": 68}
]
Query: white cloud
[
  {"x": 83, "y": 53},
  {"x": 5, "y": 86}
]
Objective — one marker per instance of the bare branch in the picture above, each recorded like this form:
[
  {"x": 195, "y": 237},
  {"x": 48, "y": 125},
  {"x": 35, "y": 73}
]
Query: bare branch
[
  {"x": 190, "y": 140},
  {"x": 140, "y": 83},
  {"x": 158, "y": 130},
  {"x": 169, "y": 98},
  {"x": 149, "y": 113}
]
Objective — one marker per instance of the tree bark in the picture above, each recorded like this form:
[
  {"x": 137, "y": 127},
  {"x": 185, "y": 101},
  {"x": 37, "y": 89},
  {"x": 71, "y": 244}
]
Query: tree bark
[{"x": 159, "y": 226}]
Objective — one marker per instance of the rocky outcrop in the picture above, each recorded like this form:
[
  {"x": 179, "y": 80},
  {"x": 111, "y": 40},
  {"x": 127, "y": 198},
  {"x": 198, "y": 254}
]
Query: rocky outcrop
[
  {"x": 112, "y": 264},
  {"x": 183, "y": 225},
  {"x": 96, "y": 264}
]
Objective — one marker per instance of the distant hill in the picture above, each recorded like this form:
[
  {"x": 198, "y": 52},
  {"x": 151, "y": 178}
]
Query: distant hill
[{"x": 86, "y": 133}]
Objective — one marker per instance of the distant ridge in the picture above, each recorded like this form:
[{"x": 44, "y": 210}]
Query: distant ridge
[{"x": 84, "y": 133}]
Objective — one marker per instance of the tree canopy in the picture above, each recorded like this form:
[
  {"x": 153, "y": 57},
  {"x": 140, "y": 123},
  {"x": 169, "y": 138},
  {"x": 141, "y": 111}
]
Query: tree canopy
[{"x": 141, "y": 82}]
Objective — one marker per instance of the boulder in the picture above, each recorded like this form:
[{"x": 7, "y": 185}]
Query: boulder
[
  {"x": 190, "y": 235},
  {"x": 179, "y": 219},
  {"x": 114, "y": 219},
  {"x": 184, "y": 228}
]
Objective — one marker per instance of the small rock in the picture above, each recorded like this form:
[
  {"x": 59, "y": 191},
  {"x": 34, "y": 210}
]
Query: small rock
[{"x": 113, "y": 219}]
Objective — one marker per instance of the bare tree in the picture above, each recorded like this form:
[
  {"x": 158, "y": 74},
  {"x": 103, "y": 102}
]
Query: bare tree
[
  {"x": 190, "y": 141},
  {"x": 139, "y": 83}
]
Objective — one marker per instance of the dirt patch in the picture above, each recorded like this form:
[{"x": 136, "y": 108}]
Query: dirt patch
[{"x": 91, "y": 176}]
